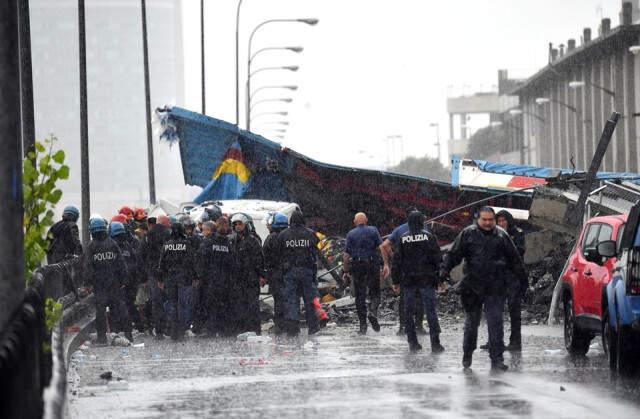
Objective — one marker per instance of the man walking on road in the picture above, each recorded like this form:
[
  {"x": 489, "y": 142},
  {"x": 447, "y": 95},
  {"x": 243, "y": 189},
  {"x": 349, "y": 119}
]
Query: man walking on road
[
  {"x": 361, "y": 260},
  {"x": 416, "y": 265},
  {"x": 488, "y": 253}
]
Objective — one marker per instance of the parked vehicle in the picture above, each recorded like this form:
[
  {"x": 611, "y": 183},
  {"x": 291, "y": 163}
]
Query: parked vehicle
[
  {"x": 621, "y": 314},
  {"x": 584, "y": 280}
]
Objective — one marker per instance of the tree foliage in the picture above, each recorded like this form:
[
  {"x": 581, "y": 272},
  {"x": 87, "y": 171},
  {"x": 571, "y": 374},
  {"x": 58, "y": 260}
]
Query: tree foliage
[
  {"x": 423, "y": 167},
  {"x": 41, "y": 171},
  {"x": 487, "y": 142}
]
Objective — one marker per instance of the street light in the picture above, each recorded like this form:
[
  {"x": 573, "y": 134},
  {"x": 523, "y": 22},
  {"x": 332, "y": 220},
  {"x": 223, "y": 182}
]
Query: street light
[
  {"x": 517, "y": 112},
  {"x": 307, "y": 21},
  {"x": 544, "y": 100},
  {"x": 293, "y": 68},
  {"x": 495, "y": 124},
  {"x": 283, "y": 113},
  {"x": 576, "y": 84},
  {"x": 297, "y": 50},
  {"x": 283, "y": 123},
  {"x": 288, "y": 87},
  {"x": 280, "y": 99}
]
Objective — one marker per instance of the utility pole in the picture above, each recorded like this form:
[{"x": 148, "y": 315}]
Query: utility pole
[
  {"x": 11, "y": 209},
  {"x": 204, "y": 99},
  {"x": 84, "y": 125},
  {"x": 147, "y": 98},
  {"x": 26, "y": 79}
]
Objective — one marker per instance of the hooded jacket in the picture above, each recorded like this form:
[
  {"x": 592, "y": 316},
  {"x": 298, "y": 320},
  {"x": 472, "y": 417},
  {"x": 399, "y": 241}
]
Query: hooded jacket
[
  {"x": 516, "y": 233},
  {"x": 64, "y": 241}
]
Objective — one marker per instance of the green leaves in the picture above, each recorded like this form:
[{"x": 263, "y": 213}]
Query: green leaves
[{"x": 40, "y": 194}]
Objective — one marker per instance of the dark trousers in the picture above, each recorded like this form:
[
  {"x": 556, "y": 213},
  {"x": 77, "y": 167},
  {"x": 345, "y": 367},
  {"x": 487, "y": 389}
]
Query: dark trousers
[
  {"x": 514, "y": 305},
  {"x": 300, "y": 280},
  {"x": 418, "y": 312},
  {"x": 130, "y": 292},
  {"x": 426, "y": 294},
  {"x": 366, "y": 280},
  {"x": 276, "y": 286},
  {"x": 158, "y": 298},
  {"x": 493, "y": 307},
  {"x": 179, "y": 306},
  {"x": 246, "y": 313},
  {"x": 114, "y": 299}
]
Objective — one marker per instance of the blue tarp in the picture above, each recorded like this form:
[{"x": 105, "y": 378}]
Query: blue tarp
[{"x": 545, "y": 172}]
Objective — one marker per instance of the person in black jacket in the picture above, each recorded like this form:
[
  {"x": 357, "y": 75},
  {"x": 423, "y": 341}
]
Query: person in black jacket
[
  {"x": 297, "y": 252},
  {"x": 118, "y": 233},
  {"x": 64, "y": 238},
  {"x": 151, "y": 252},
  {"x": 177, "y": 271},
  {"x": 488, "y": 253},
  {"x": 214, "y": 266},
  {"x": 105, "y": 270},
  {"x": 416, "y": 266},
  {"x": 273, "y": 270},
  {"x": 247, "y": 276},
  {"x": 516, "y": 287}
]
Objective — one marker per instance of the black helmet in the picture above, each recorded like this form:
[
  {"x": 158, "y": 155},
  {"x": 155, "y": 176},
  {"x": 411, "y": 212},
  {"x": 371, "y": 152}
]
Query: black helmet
[
  {"x": 214, "y": 212},
  {"x": 296, "y": 218},
  {"x": 187, "y": 221},
  {"x": 177, "y": 229},
  {"x": 415, "y": 221}
]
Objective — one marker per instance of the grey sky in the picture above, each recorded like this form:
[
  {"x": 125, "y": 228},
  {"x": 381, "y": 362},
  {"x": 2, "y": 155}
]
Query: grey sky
[{"x": 373, "y": 68}]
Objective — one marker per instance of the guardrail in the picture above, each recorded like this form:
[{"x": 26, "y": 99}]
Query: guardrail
[{"x": 32, "y": 358}]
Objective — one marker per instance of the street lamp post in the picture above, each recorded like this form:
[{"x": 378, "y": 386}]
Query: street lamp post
[
  {"x": 238, "y": 63},
  {"x": 259, "y": 114},
  {"x": 289, "y": 87},
  {"x": 253, "y": 73},
  {"x": 204, "y": 107},
  {"x": 84, "y": 125},
  {"x": 281, "y": 99},
  {"x": 545, "y": 100},
  {"x": 307, "y": 21},
  {"x": 147, "y": 101}
]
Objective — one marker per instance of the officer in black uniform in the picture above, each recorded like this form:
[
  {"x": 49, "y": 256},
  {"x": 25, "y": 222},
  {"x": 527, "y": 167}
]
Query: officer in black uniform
[
  {"x": 416, "y": 265},
  {"x": 488, "y": 253},
  {"x": 64, "y": 238},
  {"x": 178, "y": 271},
  {"x": 105, "y": 270},
  {"x": 214, "y": 266},
  {"x": 298, "y": 253},
  {"x": 247, "y": 276},
  {"x": 118, "y": 233},
  {"x": 151, "y": 252},
  {"x": 273, "y": 270}
]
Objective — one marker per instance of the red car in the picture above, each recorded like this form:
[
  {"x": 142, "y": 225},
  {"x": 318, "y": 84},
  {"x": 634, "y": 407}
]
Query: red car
[{"x": 584, "y": 281}]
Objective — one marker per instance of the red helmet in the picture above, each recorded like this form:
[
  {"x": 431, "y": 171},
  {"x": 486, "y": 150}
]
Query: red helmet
[
  {"x": 126, "y": 211},
  {"x": 121, "y": 218},
  {"x": 139, "y": 214}
]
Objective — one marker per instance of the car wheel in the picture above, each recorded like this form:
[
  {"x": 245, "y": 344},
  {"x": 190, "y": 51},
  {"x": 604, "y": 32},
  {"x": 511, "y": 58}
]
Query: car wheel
[
  {"x": 576, "y": 341},
  {"x": 609, "y": 340}
]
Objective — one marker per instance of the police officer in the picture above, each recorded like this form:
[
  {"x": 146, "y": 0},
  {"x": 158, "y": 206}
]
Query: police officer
[
  {"x": 298, "y": 253},
  {"x": 105, "y": 270},
  {"x": 151, "y": 252},
  {"x": 118, "y": 233},
  {"x": 64, "y": 238},
  {"x": 273, "y": 269},
  {"x": 248, "y": 271},
  {"x": 516, "y": 287},
  {"x": 386, "y": 250},
  {"x": 361, "y": 261},
  {"x": 416, "y": 265},
  {"x": 488, "y": 253},
  {"x": 177, "y": 270},
  {"x": 214, "y": 266}
]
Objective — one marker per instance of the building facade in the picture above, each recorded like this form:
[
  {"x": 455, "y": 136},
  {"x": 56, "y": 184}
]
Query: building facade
[
  {"x": 563, "y": 107},
  {"x": 116, "y": 100}
]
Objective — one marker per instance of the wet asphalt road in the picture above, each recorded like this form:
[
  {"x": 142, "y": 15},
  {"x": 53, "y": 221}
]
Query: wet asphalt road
[{"x": 341, "y": 374}]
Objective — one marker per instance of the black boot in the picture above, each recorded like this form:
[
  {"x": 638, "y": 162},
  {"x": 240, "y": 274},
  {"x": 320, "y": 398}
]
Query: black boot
[
  {"x": 414, "y": 347},
  {"x": 514, "y": 346},
  {"x": 466, "y": 360},
  {"x": 129, "y": 336},
  {"x": 363, "y": 328},
  {"x": 374, "y": 323},
  {"x": 102, "y": 339},
  {"x": 498, "y": 366},
  {"x": 436, "y": 347}
]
